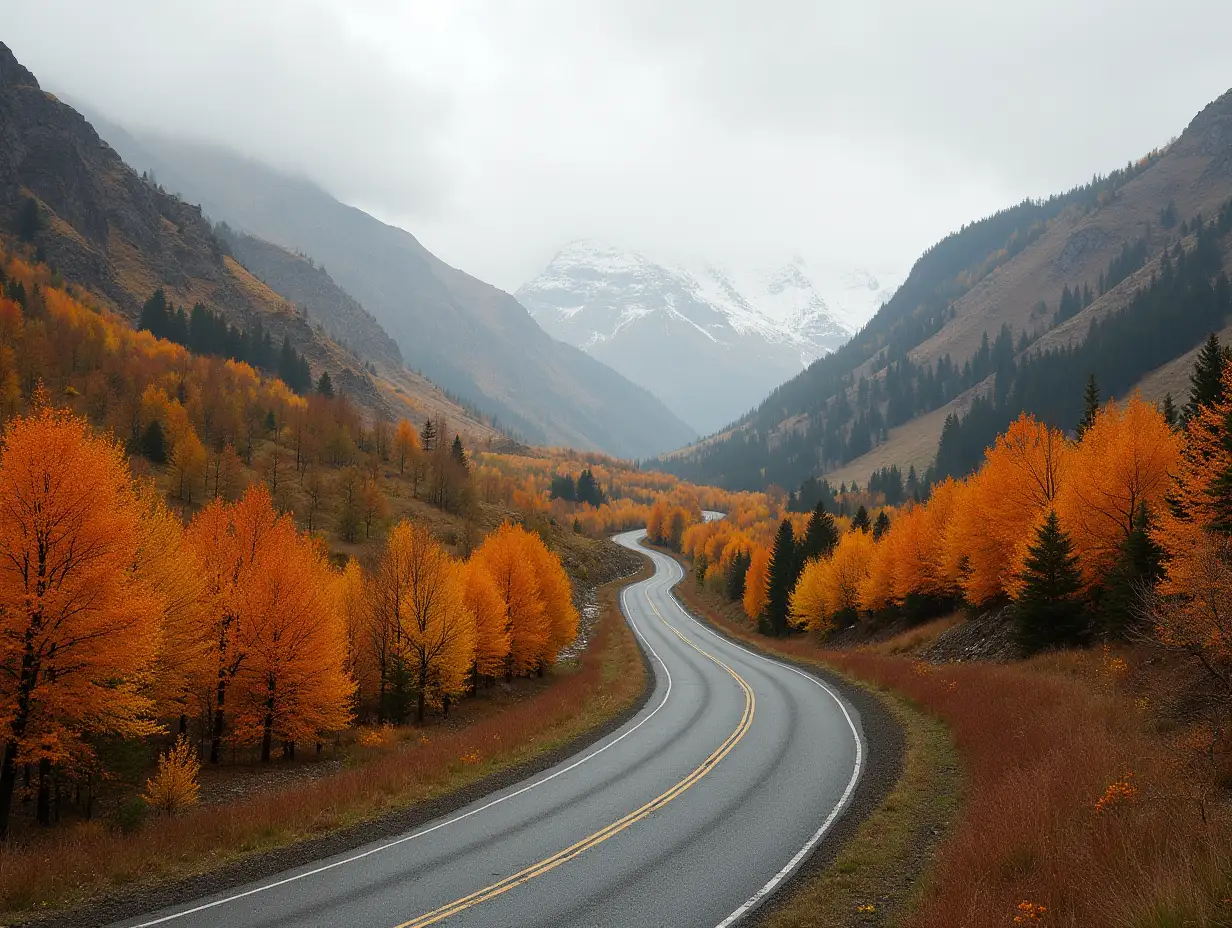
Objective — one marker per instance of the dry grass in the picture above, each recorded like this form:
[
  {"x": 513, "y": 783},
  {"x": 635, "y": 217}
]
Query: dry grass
[
  {"x": 1041, "y": 743},
  {"x": 1041, "y": 748},
  {"x": 72, "y": 866}
]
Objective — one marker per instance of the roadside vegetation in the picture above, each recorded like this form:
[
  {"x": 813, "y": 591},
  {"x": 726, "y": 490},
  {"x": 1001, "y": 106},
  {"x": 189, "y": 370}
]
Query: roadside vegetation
[
  {"x": 380, "y": 769},
  {"x": 1088, "y": 692}
]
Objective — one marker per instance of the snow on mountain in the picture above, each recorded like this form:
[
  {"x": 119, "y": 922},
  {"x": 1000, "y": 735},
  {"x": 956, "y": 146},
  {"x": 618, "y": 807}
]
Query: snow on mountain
[{"x": 709, "y": 341}]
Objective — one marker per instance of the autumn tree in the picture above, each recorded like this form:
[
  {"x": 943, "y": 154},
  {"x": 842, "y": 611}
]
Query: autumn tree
[
  {"x": 80, "y": 625},
  {"x": 406, "y": 445},
  {"x": 418, "y": 593},
  {"x": 755, "y": 580},
  {"x": 231, "y": 542},
  {"x": 482, "y": 598},
  {"x": 1123, "y": 463},
  {"x": 293, "y": 684},
  {"x": 505, "y": 555}
]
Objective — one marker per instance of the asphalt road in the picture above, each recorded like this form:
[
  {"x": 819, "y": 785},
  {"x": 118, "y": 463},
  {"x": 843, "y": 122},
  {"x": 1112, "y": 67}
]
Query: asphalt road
[{"x": 687, "y": 816}]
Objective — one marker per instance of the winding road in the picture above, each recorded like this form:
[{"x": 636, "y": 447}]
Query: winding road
[{"x": 688, "y": 815}]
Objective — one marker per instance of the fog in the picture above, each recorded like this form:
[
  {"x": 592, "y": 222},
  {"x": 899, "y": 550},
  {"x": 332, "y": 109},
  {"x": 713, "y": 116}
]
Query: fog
[{"x": 853, "y": 134}]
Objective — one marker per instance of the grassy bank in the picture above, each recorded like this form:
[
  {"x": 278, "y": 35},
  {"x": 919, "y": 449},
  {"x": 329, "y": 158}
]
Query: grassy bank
[{"x": 581, "y": 696}]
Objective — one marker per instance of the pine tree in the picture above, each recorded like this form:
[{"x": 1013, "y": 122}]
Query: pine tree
[
  {"x": 1206, "y": 382},
  {"x": 820, "y": 536},
  {"x": 781, "y": 577},
  {"x": 1169, "y": 410},
  {"x": 427, "y": 435},
  {"x": 860, "y": 520},
  {"x": 457, "y": 452},
  {"x": 1090, "y": 405},
  {"x": 881, "y": 526},
  {"x": 737, "y": 571},
  {"x": 154, "y": 443},
  {"x": 325, "y": 386},
  {"x": 1049, "y": 611},
  {"x": 1138, "y": 567}
]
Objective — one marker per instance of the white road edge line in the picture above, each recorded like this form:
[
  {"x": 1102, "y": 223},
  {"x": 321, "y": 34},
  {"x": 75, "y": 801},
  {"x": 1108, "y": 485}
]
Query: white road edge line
[
  {"x": 419, "y": 834},
  {"x": 843, "y": 801}
]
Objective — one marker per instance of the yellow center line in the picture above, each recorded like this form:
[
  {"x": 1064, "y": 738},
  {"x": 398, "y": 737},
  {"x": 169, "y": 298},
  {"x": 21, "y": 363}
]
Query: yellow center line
[{"x": 598, "y": 837}]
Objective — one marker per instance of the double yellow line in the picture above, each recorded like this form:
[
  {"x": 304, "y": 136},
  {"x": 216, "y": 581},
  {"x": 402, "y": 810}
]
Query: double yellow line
[{"x": 574, "y": 850}]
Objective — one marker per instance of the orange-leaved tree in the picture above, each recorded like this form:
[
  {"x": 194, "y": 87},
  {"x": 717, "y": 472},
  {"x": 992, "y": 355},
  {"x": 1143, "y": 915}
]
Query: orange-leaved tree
[
  {"x": 231, "y": 540},
  {"x": 1122, "y": 464},
  {"x": 505, "y": 554},
  {"x": 80, "y": 625},
  {"x": 1003, "y": 505},
  {"x": 483, "y": 598},
  {"x": 293, "y": 683},
  {"x": 417, "y": 594}
]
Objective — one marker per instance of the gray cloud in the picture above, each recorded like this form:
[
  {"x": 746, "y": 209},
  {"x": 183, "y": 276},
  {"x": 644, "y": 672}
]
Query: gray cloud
[{"x": 854, "y": 133}]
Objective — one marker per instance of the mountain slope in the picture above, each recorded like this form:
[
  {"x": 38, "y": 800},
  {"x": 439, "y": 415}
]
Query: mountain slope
[
  {"x": 990, "y": 297},
  {"x": 708, "y": 348},
  {"x": 310, "y": 287},
  {"x": 120, "y": 236},
  {"x": 472, "y": 339}
]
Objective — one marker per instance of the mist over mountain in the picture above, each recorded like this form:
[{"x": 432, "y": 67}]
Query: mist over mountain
[
  {"x": 709, "y": 340},
  {"x": 467, "y": 336}
]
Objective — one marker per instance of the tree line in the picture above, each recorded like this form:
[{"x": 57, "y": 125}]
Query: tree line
[{"x": 119, "y": 622}]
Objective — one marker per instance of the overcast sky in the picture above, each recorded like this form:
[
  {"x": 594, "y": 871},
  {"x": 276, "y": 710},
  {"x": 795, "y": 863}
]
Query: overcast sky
[{"x": 854, "y": 134}]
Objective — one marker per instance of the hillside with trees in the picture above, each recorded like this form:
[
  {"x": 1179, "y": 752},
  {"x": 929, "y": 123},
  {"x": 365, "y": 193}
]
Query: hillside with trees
[
  {"x": 472, "y": 339},
  {"x": 1075, "y": 283}
]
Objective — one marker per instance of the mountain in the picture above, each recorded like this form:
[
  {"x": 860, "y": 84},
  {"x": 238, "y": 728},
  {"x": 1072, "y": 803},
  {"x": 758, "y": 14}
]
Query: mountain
[
  {"x": 120, "y": 236},
  {"x": 1121, "y": 278},
  {"x": 708, "y": 341},
  {"x": 309, "y": 286},
  {"x": 472, "y": 339}
]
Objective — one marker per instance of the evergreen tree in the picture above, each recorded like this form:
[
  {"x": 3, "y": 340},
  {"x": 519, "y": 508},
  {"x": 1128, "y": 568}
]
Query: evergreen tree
[
  {"x": 860, "y": 520},
  {"x": 1090, "y": 406},
  {"x": 427, "y": 435},
  {"x": 588, "y": 489},
  {"x": 563, "y": 488},
  {"x": 780, "y": 578},
  {"x": 1137, "y": 568},
  {"x": 1206, "y": 382},
  {"x": 881, "y": 526},
  {"x": 153, "y": 317},
  {"x": 457, "y": 452},
  {"x": 737, "y": 571},
  {"x": 325, "y": 386},
  {"x": 820, "y": 536},
  {"x": 1169, "y": 410},
  {"x": 1049, "y": 611},
  {"x": 154, "y": 443}
]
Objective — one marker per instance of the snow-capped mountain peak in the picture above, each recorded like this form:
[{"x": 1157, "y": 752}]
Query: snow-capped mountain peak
[{"x": 738, "y": 334}]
